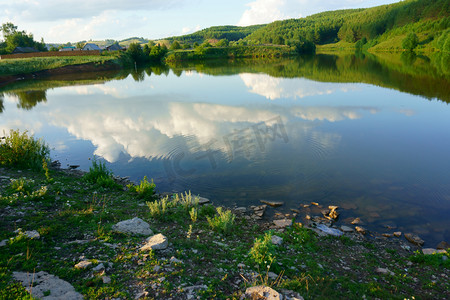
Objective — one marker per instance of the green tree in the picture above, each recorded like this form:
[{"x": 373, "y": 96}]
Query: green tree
[
  {"x": 158, "y": 52},
  {"x": 53, "y": 48},
  {"x": 410, "y": 42},
  {"x": 8, "y": 29},
  {"x": 175, "y": 45},
  {"x": 223, "y": 43},
  {"x": 135, "y": 52}
]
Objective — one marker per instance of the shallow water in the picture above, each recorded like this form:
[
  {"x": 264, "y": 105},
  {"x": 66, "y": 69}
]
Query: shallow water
[{"x": 368, "y": 134}]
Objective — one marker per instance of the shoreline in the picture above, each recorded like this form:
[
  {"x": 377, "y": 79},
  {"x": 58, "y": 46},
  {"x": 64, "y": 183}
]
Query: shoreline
[{"x": 71, "y": 233}]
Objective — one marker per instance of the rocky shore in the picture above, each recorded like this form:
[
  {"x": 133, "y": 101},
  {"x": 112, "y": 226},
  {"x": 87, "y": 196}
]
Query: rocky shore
[{"x": 77, "y": 240}]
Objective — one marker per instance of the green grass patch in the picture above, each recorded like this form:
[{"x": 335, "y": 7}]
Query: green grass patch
[{"x": 20, "y": 150}]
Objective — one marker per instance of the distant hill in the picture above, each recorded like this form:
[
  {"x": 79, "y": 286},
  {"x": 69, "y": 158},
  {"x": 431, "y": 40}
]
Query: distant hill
[
  {"x": 231, "y": 33},
  {"x": 429, "y": 19},
  {"x": 131, "y": 40}
]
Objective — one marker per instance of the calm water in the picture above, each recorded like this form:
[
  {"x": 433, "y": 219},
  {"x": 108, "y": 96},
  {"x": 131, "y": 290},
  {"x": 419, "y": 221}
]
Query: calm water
[{"x": 368, "y": 134}]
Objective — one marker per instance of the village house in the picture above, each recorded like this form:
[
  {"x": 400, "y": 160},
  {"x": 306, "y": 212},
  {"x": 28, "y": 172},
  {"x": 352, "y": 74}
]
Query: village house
[
  {"x": 20, "y": 50},
  {"x": 91, "y": 46}
]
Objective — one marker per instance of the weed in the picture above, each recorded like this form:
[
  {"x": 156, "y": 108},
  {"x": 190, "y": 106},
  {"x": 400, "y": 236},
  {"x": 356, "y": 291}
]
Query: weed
[
  {"x": 158, "y": 208},
  {"x": 186, "y": 200},
  {"x": 46, "y": 171},
  {"x": 145, "y": 189},
  {"x": 223, "y": 221},
  {"x": 263, "y": 250},
  {"x": 98, "y": 174},
  {"x": 194, "y": 214}
]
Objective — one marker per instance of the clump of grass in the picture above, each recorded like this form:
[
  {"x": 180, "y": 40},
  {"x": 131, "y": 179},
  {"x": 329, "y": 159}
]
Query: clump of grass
[
  {"x": 263, "y": 250},
  {"x": 194, "y": 214},
  {"x": 100, "y": 175},
  {"x": 19, "y": 150},
  {"x": 223, "y": 221},
  {"x": 158, "y": 208},
  {"x": 22, "y": 189},
  {"x": 186, "y": 200},
  {"x": 145, "y": 189}
]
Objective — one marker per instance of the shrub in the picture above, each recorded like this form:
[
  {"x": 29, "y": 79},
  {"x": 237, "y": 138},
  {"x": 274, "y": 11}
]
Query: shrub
[
  {"x": 158, "y": 208},
  {"x": 410, "y": 42},
  {"x": 100, "y": 175},
  {"x": 263, "y": 250},
  {"x": 223, "y": 221},
  {"x": 145, "y": 189},
  {"x": 23, "y": 151}
]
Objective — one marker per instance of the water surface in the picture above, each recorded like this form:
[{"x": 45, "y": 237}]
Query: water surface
[{"x": 368, "y": 134}]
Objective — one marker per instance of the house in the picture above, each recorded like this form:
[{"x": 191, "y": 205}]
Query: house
[
  {"x": 114, "y": 47},
  {"x": 90, "y": 46},
  {"x": 18, "y": 50},
  {"x": 68, "y": 48}
]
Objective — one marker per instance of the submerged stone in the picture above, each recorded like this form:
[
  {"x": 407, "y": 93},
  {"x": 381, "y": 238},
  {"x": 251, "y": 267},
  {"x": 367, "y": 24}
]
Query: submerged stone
[
  {"x": 272, "y": 203},
  {"x": 414, "y": 239}
]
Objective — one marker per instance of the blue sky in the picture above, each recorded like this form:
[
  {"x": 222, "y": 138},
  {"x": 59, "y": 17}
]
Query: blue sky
[{"x": 75, "y": 20}]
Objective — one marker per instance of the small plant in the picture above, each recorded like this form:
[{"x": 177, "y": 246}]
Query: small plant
[
  {"x": 22, "y": 151},
  {"x": 186, "y": 200},
  {"x": 223, "y": 221},
  {"x": 100, "y": 175},
  {"x": 145, "y": 189},
  {"x": 46, "y": 170},
  {"x": 263, "y": 250},
  {"x": 194, "y": 214},
  {"x": 158, "y": 207},
  {"x": 21, "y": 185}
]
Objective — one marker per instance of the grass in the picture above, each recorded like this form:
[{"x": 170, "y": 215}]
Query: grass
[
  {"x": 100, "y": 175},
  {"x": 20, "y": 150},
  {"x": 145, "y": 189},
  {"x": 9, "y": 67},
  {"x": 223, "y": 221}
]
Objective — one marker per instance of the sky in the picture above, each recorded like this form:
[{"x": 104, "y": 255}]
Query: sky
[{"x": 60, "y": 21}]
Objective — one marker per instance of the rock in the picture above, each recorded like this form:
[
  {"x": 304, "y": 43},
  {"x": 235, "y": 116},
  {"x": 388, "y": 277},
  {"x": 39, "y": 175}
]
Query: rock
[
  {"x": 202, "y": 200},
  {"x": 360, "y": 229},
  {"x": 333, "y": 214},
  {"x": 443, "y": 245},
  {"x": 106, "y": 279},
  {"x": 261, "y": 292},
  {"x": 33, "y": 234},
  {"x": 174, "y": 260},
  {"x": 272, "y": 203},
  {"x": 241, "y": 265},
  {"x": 45, "y": 286},
  {"x": 220, "y": 244},
  {"x": 388, "y": 235},
  {"x": 295, "y": 210},
  {"x": 155, "y": 242},
  {"x": 3, "y": 243},
  {"x": 328, "y": 230},
  {"x": 241, "y": 210},
  {"x": 333, "y": 207},
  {"x": 384, "y": 271},
  {"x": 414, "y": 239},
  {"x": 282, "y": 223},
  {"x": 356, "y": 221},
  {"x": 133, "y": 226},
  {"x": 398, "y": 234},
  {"x": 190, "y": 289},
  {"x": 276, "y": 240},
  {"x": 99, "y": 268},
  {"x": 315, "y": 203},
  {"x": 83, "y": 264},
  {"x": 272, "y": 275},
  {"x": 346, "y": 228},
  {"x": 291, "y": 295},
  {"x": 429, "y": 251}
]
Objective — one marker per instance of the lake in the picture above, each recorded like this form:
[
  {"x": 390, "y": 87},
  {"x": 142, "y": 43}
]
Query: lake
[{"x": 369, "y": 134}]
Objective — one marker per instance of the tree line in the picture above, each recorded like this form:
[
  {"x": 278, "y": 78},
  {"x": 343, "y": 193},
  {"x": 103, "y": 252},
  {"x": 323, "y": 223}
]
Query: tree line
[{"x": 14, "y": 38}]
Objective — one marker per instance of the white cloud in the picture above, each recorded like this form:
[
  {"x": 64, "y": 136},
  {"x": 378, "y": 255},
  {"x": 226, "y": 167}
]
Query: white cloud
[{"x": 263, "y": 11}]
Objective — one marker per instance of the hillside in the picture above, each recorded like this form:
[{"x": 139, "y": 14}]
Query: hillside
[{"x": 387, "y": 24}]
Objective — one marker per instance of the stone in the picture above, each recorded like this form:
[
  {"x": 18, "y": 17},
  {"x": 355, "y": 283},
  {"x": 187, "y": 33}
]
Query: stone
[
  {"x": 174, "y": 260},
  {"x": 155, "y": 242},
  {"x": 315, "y": 203},
  {"x": 190, "y": 289},
  {"x": 291, "y": 295},
  {"x": 83, "y": 264},
  {"x": 203, "y": 200},
  {"x": 45, "y": 286},
  {"x": 356, "y": 221},
  {"x": 414, "y": 239},
  {"x": 384, "y": 271},
  {"x": 272, "y": 275},
  {"x": 272, "y": 203},
  {"x": 346, "y": 228},
  {"x": 33, "y": 234},
  {"x": 99, "y": 268},
  {"x": 3, "y": 242},
  {"x": 241, "y": 210},
  {"x": 333, "y": 207},
  {"x": 329, "y": 231},
  {"x": 106, "y": 279},
  {"x": 398, "y": 234},
  {"x": 388, "y": 235},
  {"x": 261, "y": 292},
  {"x": 333, "y": 214},
  {"x": 443, "y": 245},
  {"x": 429, "y": 251},
  {"x": 133, "y": 226},
  {"x": 276, "y": 240},
  {"x": 282, "y": 223},
  {"x": 360, "y": 229}
]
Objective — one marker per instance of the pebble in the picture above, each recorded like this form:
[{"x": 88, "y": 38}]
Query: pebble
[{"x": 83, "y": 264}]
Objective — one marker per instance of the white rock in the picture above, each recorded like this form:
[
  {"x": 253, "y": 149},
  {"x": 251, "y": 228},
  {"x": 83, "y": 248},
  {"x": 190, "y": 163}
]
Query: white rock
[
  {"x": 83, "y": 264},
  {"x": 133, "y": 226},
  {"x": 156, "y": 242},
  {"x": 262, "y": 292},
  {"x": 276, "y": 240},
  {"x": 33, "y": 234},
  {"x": 346, "y": 228},
  {"x": 106, "y": 279},
  {"x": 384, "y": 271},
  {"x": 328, "y": 230},
  {"x": 3, "y": 243},
  {"x": 282, "y": 223},
  {"x": 272, "y": 275},
  {"x": 174, "y": 260},
  {"x": 39, "y": 283},
  {"x": 202, "y": 200},
  {"x": 99, "y": 268}
]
